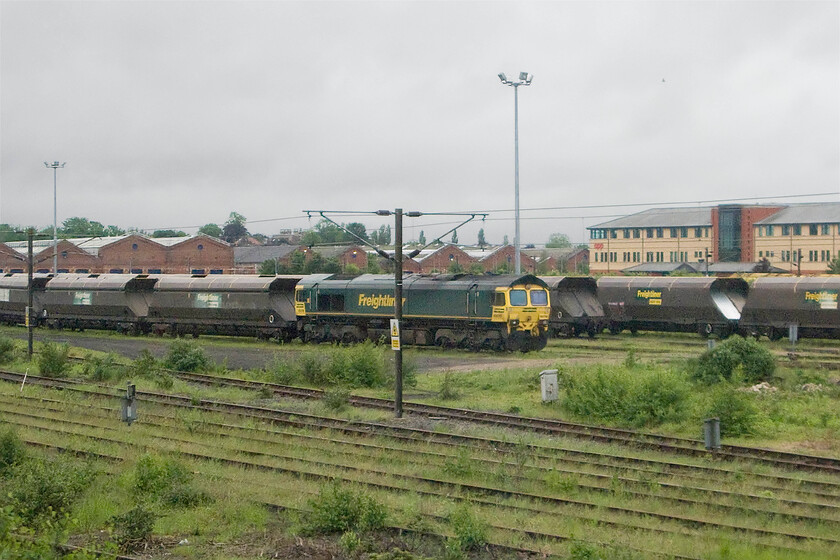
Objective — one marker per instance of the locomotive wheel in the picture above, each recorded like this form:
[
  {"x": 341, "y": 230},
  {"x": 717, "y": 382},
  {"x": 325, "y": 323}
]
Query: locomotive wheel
[
  {"x": 615, "y": 329},
  {"x": 774, "y": 334}
]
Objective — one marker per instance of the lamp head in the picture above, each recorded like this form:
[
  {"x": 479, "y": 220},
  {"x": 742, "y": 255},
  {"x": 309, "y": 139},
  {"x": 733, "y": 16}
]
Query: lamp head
[{"x": 502, "y": 77}]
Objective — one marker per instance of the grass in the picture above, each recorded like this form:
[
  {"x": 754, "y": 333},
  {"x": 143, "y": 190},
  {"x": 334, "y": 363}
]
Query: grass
[{"x": 554, "y": 468}]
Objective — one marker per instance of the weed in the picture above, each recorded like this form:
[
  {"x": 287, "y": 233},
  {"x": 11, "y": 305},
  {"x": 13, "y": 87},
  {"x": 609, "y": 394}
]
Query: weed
[
  {"x": 336, "y": 398},
  {"x": 166, "y": 481},
  {"x": 459, "y": 465},
  {"x": 736, "y": 410},
  {"x": 643, "y": 397},
  {"x": 567, "y": 484},
  {"x": 630, "y": 360},
  {"x": 101, "y": 368},
  {"x": 12, "y": 452},
  {"x": 470, "y": 531},
  {"x": 720, "y": 363},
  {"x": 41, "y": 489},
  {"x": 133, "y": 527},
  {"x": 265, "y": 393},
  {"x": 186, "y": 355},
  {"x": 448, "y": 390},
  {"x": 282, "y": 371},
  {"x": 53, "y": 359},
  {"x": 8, "y": 350},
  {"x": 337, "y": 510},
  {"x": 350, "y": 542}
]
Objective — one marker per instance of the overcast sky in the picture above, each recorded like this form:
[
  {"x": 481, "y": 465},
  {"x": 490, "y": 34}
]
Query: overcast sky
[{"x": 174, "y": 114}]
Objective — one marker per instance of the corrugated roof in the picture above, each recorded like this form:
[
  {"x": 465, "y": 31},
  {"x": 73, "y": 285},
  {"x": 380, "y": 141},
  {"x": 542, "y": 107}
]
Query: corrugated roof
[
  {"x": 88, "y": 244},
  {"x": 661, "y": 217},
  {"x": 261, "y": 253},
  {"x": 811, "y": 213}
]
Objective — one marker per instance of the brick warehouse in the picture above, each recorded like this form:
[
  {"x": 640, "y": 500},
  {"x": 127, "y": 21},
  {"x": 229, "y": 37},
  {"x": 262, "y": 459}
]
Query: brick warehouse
[{"x": 135, "y": 253}]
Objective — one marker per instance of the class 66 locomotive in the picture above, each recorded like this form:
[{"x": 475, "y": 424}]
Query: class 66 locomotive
[{"x": 501, "y": 313}]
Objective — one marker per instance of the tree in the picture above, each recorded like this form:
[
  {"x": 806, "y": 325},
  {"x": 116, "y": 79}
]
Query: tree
[
  {"x": 455, "y": 237},
  {"x": 455, "y": 268},
  {"x": 213, "y": 230},
  {"x": 168, "y": 233},
  {"x": 422, "y": 239},
  {"x": 506, "y": 242},
  {"x": 382, "y": 236},
  {"x": 234, "y": 229},
  {"x": 558, "y": 241},
  {"x": 268, "y": 267},
  {"x": 357, "y": 229},
  {"x": 481, "y": 241},
  {"x": 112, "y": 231},
  {"x": 834, "y": 266}
]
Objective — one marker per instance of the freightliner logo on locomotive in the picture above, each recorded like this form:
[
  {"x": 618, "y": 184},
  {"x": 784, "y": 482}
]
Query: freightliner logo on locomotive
[
  {"x": 653, "y": 297},
  {"x": 376, "y": 301}
]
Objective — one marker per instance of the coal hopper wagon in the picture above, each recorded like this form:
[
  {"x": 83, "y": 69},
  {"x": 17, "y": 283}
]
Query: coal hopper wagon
[{"x": 703, "y": 305}]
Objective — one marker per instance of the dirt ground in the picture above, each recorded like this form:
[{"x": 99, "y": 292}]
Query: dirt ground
[{"x": 251, "y": 354}]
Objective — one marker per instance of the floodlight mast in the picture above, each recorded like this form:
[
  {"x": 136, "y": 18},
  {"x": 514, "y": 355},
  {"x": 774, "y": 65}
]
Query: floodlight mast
[
  {"x": 55, "y": 167},
  {"x": 524, "y": 80}
]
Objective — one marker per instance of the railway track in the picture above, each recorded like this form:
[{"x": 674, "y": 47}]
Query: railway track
[
  {"x": 260, "y": 453},
  {"x": 671, "y": 444}
]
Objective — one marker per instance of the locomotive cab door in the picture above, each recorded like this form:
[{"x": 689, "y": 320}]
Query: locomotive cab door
[{"x": 472, "y": 303}]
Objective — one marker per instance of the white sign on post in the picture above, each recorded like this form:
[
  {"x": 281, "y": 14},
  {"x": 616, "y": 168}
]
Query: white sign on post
[{"x": 395, "y": 335}]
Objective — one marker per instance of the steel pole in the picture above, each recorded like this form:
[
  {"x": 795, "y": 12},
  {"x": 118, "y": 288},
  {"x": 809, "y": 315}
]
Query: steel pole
[
  {"x": 55, "y": 220},
  {"x": 30, "y": 234},
  {"x": 518, "y": 264},
  {"x": 398, "y": 290}
]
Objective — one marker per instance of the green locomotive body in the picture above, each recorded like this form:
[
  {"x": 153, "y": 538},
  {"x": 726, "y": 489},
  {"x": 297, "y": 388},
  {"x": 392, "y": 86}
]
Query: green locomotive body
[{"x": 494, "y": 312}]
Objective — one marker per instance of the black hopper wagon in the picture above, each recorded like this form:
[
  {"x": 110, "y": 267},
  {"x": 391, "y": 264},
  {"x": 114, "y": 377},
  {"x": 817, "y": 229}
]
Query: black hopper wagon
[
  {"x": 96, "y": 301},
  {"x": 575, "y": 309},
  {"x": 776, "y": 304},
  {"x": 703, "y": 305},
  {"x": 261, "y": 306}
]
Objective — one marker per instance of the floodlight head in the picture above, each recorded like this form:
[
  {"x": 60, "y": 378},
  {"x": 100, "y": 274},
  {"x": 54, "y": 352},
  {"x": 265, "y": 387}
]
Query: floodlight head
[
  {"x": 528, "y": 81},
  {"x": 523, "y": 76},
  {"x": 503, "y": 77}
]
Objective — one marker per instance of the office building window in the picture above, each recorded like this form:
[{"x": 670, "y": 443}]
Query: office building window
[
  {"x": 660, "y": 232},
  {"x": 785, "y": 230},
  {"x": 797, "y": 229},
  {"x": 812, "y": 229}
]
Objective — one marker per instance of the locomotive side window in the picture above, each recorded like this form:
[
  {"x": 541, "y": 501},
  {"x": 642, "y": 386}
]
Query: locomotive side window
[
  {"x": 518, "y": 298},
  {"x": 300, "y": 296},
  {"x": 499, "y": 299},
  {"x": 539, "y": 297}
]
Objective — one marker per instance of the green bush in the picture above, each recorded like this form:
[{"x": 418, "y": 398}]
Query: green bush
[
  {"x": 722, "y": 361},
  {"x": 8, "y": 350},
  {"x": 338, "y": 510},
  {"x": 448, "y": 388},
  {"x": 102, "y": 368},
  {"x": 336, "y": 398},
  {"x": 147, "y": 366},
  {"x": 312, "y": 367},
  {"x": 470, "y": 531},
  {"x": 166, "y": 481},
  {"x": 12, "y": 452},
  {"x": 738, "y": 415},
  {"x": 133, "y": 527},
  {"x": 40, "y": 488},
  {"x": 53, "y": 359},
  {"x": 640, "y": 397},
  {"x": 186, "y": 355},
  {"x": 284, "y": 371}
]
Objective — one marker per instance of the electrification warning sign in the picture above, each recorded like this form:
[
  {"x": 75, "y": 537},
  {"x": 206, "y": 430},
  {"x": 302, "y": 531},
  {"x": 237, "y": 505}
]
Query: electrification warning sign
[{"x": 395, "y": 335}]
